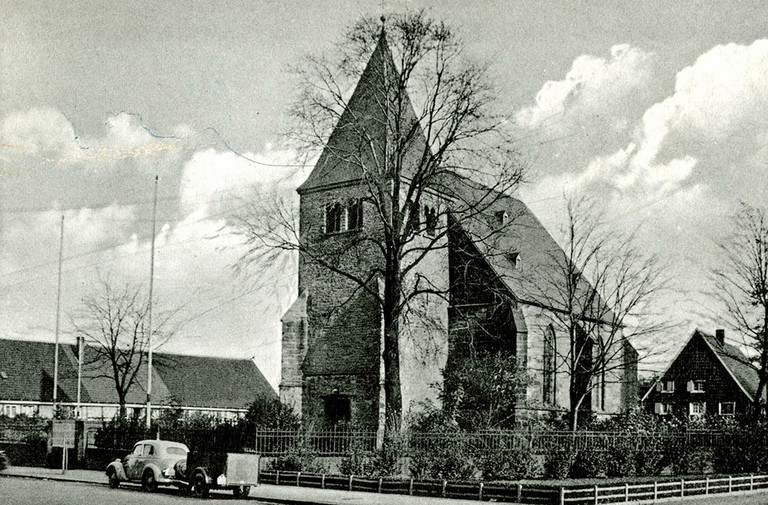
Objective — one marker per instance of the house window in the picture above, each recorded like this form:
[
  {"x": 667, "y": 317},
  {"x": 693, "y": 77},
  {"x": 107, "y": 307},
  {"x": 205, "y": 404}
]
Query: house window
[
  {"x": 333, "y": 213},
  {"x": 355, "y": 215},
  {"x": 662, "y": 408},
  {"x": 727, "y": 408},
  {"x": 697, "y": 408},
  {"x": 696, "y": 386},
  {"x": 665, "y": 386}
]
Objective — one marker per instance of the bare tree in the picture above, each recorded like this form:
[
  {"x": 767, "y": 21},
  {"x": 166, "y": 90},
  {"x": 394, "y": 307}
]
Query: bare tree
[
  {"x": 446, "y": 151},
  {"x": 741, "y": 283},
  {"x": 599, "y": 290},
  {"x": 113, "y": 323}
]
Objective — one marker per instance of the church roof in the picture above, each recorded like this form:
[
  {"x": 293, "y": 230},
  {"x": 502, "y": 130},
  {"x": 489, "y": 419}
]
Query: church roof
[
  {"x": 358, "y": 141},
  {"x": 521, "y": 251}
]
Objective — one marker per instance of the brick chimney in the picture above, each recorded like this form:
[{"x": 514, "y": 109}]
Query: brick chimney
[{"x": 720, "y": 336}]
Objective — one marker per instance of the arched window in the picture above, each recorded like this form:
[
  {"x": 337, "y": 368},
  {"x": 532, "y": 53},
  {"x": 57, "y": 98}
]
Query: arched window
[
  {"x": 549, "y": 377},
  {"x": 355, "y": 215},
  {"x": 430, "y": 217},
  {"x": 333, "y": 213}
]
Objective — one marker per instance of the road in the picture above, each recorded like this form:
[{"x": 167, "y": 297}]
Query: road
[{"x": 16, "y": 491}]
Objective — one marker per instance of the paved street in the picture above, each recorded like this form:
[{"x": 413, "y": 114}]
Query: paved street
[{"x": 17, "y": 491}]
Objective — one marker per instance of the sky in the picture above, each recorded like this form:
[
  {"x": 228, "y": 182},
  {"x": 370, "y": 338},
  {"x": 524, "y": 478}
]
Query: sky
[{"x": 657, "y": 109}]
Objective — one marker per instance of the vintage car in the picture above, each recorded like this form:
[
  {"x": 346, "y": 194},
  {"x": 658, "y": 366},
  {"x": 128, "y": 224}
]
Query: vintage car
[{"x": 152, "y": 463}]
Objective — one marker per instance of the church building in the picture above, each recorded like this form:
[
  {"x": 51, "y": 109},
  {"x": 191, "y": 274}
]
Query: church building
[{"x": 333, "y": 334}]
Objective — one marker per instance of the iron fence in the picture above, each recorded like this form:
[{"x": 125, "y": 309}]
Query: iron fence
[{"x": 336, "y": 443}]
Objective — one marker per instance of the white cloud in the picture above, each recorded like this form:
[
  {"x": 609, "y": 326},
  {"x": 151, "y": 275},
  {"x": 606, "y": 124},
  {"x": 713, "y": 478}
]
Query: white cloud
[
  {"x": 711, "y": 125},
  {"x": 37, "y": 129},
  {"x": 592, "y": 85}
]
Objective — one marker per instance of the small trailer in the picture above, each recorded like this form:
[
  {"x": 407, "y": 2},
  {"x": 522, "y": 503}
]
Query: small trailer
[{"x": 222, "y": 470}]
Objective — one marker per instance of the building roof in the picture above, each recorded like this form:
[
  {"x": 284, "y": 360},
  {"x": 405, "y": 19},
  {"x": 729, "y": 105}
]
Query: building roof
[
  {"x": 523, "y": 254},
  {"x": 357, "y": 142},
  {"x": 735, "y": 362},
  {"x": 26, "y": 374},
  {"x": 738, "y": 366}
]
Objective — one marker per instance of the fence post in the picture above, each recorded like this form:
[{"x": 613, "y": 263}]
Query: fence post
[
  {"x": 730, "y": 483},
  {"x": 298, "y": 477},
  {"x": 481, "y": 491},
  {"x": 519, "y": 493},
  {"x": 322, "y": 482},
  {"x": 410, "y": 488},
  {"x": 655, "y": 490},
  {"x": 277, "y": 478},
  {"x": 350, "y": 483},
  {"x": 444, "y": 484},
  {"x": 562, "y": 495},
  {"x": 751, "y": 481},
  {"x": 682, "y": 487},
  {"x": 380, "y": 479},
  {"x": 596, "y": 494},
  {"x": 626, "y": 491},
  {"x": 706, "y": 486}
]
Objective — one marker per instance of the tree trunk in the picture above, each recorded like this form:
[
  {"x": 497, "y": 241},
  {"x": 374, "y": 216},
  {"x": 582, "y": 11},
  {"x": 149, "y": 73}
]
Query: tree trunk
[
  {"x": 392, "y": 392},
  {"x": 122, "y": 413}
]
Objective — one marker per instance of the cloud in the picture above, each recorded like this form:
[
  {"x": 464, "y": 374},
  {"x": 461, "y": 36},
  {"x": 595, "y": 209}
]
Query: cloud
[
  {"x": 592, "y": 85},
  {"x": 709, "y": 130},
  {"x": 38, "y": 130}
]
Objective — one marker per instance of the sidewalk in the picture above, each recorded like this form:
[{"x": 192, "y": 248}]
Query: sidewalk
[{"x": 276, "y": 494}]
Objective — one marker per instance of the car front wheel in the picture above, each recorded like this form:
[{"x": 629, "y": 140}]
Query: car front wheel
[
  {"x": 114, "y": 482},
  {"x": 148, "y": 482}
]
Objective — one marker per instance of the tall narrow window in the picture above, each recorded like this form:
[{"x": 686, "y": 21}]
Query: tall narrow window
[
  {"x": 548, "y": 378},
  {"x": 333, "y": 214},
  {"x": 355, "y": 215},
  {"x": 430, "y": 217},
  {"x": 414, "y": 216}
]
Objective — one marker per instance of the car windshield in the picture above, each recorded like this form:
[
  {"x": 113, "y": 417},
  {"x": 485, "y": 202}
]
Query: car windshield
[{"x": 175, "y": 451}]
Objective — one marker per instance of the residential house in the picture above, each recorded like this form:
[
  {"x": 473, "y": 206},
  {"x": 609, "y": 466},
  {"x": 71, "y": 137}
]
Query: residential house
[
  {"x": 332, "y": 365},
  {"x": 708, "y": 376},
  {"x": 220, "y": 387}
]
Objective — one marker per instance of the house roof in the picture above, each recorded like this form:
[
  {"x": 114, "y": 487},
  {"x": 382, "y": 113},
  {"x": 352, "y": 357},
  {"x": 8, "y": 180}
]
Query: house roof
[
  {"x": 189, "y": 381},
  {"x": 738, "y": 366},
  {"x": 199, "y": 381},
  {"x": 357, "y": 142}
]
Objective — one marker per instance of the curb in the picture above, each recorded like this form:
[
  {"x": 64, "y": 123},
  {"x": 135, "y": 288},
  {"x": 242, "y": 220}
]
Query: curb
[{"x": 50, "y": 477}]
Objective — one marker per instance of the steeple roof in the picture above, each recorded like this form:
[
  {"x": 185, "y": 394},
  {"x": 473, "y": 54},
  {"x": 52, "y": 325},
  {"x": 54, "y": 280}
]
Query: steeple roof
[{"x": 358, "y": 142}]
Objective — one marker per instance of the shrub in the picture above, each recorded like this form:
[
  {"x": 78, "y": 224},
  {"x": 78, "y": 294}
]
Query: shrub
[
  {"x": 4, "y": 463},
  {"x": 620, "y": 462},
  {"x": 589, "y": 463},
  {"x": 447, "y": 457},
  {"x": 558, "y": 464},
  {"x": 299, "y": 458},
  {"x": 504, "y": 464},
  {"x": 692, "y": 461}
]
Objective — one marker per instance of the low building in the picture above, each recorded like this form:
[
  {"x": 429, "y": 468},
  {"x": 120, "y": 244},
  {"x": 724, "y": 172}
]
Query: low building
[
  {"x": 708, "y": 376},
  {"x": 220, "y": 387}
]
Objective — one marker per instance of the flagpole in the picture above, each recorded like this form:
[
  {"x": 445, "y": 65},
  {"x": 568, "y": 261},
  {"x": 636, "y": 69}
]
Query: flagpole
[
  {"x": 58, "y": 318},
  {"x": 149, "y": 322}
]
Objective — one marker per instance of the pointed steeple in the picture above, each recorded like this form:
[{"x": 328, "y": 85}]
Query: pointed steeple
[{"x": 360, "y": 136}]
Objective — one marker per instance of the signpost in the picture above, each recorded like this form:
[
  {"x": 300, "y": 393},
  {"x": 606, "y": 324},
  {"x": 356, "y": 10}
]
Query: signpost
[{"x": 63, "y": 435}]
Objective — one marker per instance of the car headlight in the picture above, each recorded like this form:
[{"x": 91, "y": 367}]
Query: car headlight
[
  {"x": 221, "y": 481},
  {"x": 169, "y": 472}
]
